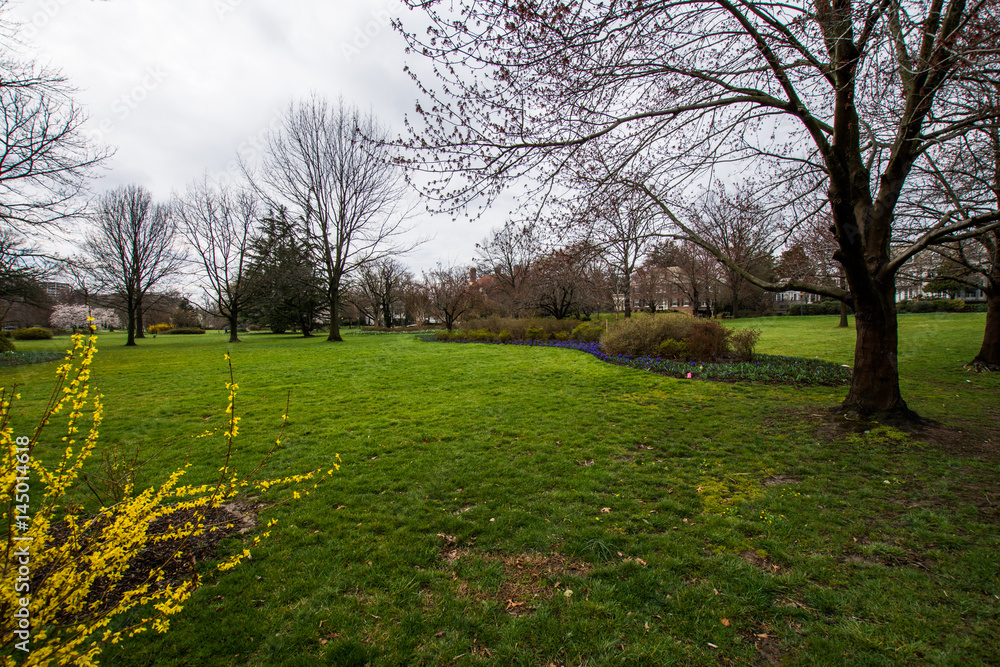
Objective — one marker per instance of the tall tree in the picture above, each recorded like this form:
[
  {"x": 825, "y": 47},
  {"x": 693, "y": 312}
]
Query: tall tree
[
  {"x": 694, "y": 274},
  {"x": 848, "y": 96},
  {"x": 508, "y": 256},
  {"x": 450, "y": 293},
  {"x": 330, "y": 166},
  {"x": 220, "y": 224},
  {"x": 290, "y": 290},
  {"x": 965, "y": 177},
  {"x": 45, "y": 159},
  {"x": 744, "y": 233},
  {"x": 622, "y": 230},
  {"x": 378, "y": 289},
  {"x": 131, "y": 246},
  {"x": 20, "y": 274},
  {"x": 565, "y": 282}
]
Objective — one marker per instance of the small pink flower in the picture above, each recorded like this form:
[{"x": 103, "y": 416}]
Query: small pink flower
[{"x": 689, "y": 376}]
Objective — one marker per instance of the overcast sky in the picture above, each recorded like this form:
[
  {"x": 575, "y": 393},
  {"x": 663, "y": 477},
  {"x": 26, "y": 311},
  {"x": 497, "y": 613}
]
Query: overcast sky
[{"x": 178, "y": 88}]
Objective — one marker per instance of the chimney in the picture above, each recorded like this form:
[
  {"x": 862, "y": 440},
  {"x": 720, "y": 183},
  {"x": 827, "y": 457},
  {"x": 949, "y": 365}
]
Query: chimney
[{"x": 472, "y": 276}]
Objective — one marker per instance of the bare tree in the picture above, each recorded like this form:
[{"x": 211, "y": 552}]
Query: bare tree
[
  {"x": 45, "y": 159},
  {"x": 744, "y": 233},
  {"x": 450, "y": 293},
  {"x": 508, "y": 255},
  {"x": 965, "y": 177},
  {"x": 220, "y": 224},
  {"x": 814, "y": 246},
  {"x": 20, "y": 275},
  {"x": 131, "y": 247},
  {"x": 565, "y": 281},
  {"x": 330, "y": 166},
  {"x": 622, "y": 231},
  {"x": 691, "y": 270},
  {"x": 846, "y": 97},
  {"x": 416, "y": 301},
  {"x": 378, "y": 289}
]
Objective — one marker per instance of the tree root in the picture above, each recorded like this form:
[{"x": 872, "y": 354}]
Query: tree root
[{"x": 980, "y": 366}]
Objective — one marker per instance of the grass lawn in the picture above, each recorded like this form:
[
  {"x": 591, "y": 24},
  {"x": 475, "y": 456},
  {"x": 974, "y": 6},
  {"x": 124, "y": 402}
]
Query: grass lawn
[{"x": 535, "y": 506}]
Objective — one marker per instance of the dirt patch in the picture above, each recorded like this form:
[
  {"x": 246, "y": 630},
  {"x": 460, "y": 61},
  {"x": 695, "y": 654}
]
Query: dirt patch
[
  {"x": 758, "y": 561},
  {"x": 780, "y": 479},
  {"x": 769, "y": 650},
  {"x": 529, "y": 579},
  {"x": 971, "y": 440}
]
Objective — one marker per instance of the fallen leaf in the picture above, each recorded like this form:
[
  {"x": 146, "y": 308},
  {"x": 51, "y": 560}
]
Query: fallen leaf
[
  {"x": 605, "y": 510},
  {"x": 726, "y": 622}
]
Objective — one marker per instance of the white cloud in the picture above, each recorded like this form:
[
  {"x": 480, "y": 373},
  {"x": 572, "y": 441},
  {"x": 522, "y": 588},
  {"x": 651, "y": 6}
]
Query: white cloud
[{"x": 177, "y": 87}]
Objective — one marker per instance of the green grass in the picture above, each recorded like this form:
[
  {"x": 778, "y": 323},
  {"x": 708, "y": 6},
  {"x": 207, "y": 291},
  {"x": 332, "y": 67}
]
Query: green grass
[{"x": 865, "y": 546}]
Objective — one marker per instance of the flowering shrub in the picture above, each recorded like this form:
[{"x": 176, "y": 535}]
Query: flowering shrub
[
  {"x": 160, "y": 328},
  {"x": 63, "y": 577}
]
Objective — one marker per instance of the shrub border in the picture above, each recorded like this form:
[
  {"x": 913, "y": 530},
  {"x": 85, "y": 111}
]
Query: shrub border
[{"x": 764, "y": 368}]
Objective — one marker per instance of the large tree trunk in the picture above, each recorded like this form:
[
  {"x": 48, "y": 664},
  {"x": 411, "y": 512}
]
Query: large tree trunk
[
  {"x": 138, "y": 320},
  {"x": 130, "y": 323},
  {"x": 233, "y": 323},
  {"x": 334, "y": 336},
  {"x": 843, "y": 315},
  {"x": 989, "y": 354},
  {"x": 628, "y": 297},
  {"x": 874, "y": 388}
]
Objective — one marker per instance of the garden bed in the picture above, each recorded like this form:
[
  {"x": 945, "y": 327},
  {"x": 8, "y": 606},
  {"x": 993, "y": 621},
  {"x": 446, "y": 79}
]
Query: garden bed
[{"x": 762, "y": 368}]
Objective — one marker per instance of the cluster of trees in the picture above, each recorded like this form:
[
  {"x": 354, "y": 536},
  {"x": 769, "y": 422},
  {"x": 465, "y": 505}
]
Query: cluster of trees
[
  {"x": 314, "y": 227},
  {"x": 874, "y": 119}
]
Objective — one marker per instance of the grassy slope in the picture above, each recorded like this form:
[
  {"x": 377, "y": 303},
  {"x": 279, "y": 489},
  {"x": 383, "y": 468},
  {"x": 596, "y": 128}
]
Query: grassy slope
[{"x": 520, "y": 450}]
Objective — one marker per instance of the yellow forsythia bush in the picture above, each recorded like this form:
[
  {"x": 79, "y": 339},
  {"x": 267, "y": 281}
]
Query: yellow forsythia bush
[{"x": 62, "y": 570}]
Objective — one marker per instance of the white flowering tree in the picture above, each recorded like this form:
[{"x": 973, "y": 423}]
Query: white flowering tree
[{"x": 73, "y": 317}]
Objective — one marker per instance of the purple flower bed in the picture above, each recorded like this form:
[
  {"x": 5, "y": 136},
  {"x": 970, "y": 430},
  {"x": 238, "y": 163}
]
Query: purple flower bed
[{"x": 763, "y": 367}]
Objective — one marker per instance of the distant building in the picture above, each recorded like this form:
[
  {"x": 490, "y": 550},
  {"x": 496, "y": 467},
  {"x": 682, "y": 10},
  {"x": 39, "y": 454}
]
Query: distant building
[{"x": 57, "y": 291}]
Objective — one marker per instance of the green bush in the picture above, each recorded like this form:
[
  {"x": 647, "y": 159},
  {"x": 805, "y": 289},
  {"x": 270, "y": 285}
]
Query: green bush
[
  {"x": 504, "y": 336},
  {"x": 641, "y": 335},
  {"x": 6, "y": 344},
  {"x": 587, "y": 332},
  {"x": 443, "y": 334},
  {"x": 186, "y": 330},
  {"x": 518, "y": 327},
  {"x": 34, "y": 333},
  {"x": 708, "y": 340},
  {"x": 744, "y": 341},
  {"x": 481, "y": 336},
  {"x": 561, "y": 335},
  {"x": 535, "y": 333},
  {"x": 931, "y": 306},
  {"x": 673, "y": 349},
  {"x": 824, "y": 307}
]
